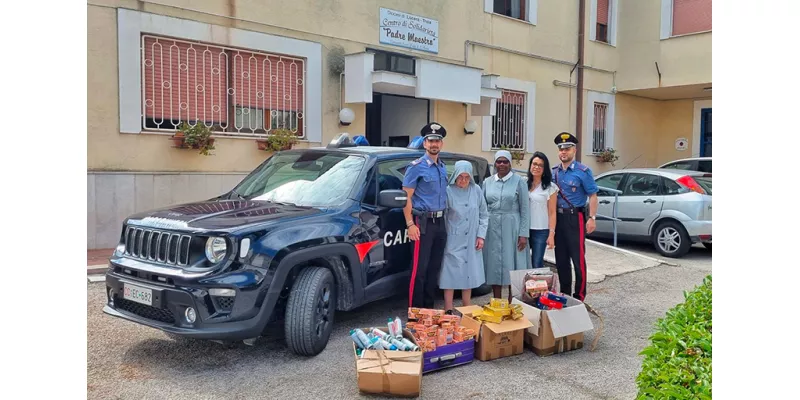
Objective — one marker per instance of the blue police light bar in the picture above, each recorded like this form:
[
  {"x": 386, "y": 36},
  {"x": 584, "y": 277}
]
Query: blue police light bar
[
  {"x": 341, "y": 140},
  {"x": 361, "y": 140},
  {"x": 416, "y": 143}
]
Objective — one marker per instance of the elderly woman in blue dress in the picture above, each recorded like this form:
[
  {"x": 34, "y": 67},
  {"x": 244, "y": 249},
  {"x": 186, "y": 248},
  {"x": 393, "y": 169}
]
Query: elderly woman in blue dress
[
  {"x": 466, "y": 220},
  {"x": 506, "y": 246}
]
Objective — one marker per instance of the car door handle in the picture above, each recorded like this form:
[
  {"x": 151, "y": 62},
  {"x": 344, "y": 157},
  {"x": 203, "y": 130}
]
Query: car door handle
[
  {"x": 605, "y": 202},
  {"x": 649, "y": 201}
]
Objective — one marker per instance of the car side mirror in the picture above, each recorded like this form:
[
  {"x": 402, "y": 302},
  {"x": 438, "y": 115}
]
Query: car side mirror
[{"x": 392, "y": 198}]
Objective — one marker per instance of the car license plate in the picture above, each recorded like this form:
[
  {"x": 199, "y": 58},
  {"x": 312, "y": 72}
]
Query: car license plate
[{"x": 138, "y": 294}]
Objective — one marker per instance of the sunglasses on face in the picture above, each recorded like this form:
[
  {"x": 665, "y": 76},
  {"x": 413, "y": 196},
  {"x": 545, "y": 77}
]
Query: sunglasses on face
[
  {"x": 501, "y": 161},
  {"x": 539, "y": 166}
]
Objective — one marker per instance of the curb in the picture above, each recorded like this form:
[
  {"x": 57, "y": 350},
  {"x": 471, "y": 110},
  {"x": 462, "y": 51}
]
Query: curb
[
  {"x": 96, "y": 269},
  {"x": 632, "y": 253}
]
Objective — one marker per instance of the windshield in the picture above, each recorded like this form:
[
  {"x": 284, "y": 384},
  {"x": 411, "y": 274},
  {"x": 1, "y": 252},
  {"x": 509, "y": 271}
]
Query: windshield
[
  {"x": 705, "y": 183},
  {"x": 313, "y": 179}
]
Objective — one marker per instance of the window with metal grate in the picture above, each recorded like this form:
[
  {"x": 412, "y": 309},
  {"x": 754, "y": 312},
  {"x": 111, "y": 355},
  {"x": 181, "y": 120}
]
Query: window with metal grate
[
  {"x": 599, "y": 127},
  {"x": 508, "y": 123},
  {"x": 232, "y": 91}
]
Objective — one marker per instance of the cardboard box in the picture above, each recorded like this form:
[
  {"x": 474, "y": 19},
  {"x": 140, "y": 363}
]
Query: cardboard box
[
  {"x": 492, "y": 340},
  {"x": 556, "y": 331},
  {"x": 390, "y": 372},
  {"x": 553, "y": 331}
]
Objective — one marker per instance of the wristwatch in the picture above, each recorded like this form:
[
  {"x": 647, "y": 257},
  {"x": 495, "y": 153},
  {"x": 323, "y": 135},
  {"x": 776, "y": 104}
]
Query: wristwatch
[
  {"x": 409, "y": 224},
  {"x": 593, "y": 217}
]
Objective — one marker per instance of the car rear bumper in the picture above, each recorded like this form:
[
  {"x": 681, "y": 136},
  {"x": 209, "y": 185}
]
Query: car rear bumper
[{"x": 699, "y": 231}]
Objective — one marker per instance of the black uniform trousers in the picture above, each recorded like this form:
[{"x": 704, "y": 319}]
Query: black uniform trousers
[
  {"x": 570, "y": 250},
  {"x": 428, "y": 255}
]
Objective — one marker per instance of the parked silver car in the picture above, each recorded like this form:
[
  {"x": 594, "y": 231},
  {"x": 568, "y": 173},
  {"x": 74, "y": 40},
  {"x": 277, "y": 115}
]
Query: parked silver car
[
  {"x": 669, "y": 208},
  {"x": 702, "y": 164}
]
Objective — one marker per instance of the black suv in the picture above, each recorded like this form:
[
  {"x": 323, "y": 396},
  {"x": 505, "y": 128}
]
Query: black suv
[{"x": 306, "y": 233}]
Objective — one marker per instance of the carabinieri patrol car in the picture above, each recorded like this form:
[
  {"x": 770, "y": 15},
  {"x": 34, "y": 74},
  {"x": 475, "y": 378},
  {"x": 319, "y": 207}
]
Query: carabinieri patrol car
[{"x": 307, "y": 233}]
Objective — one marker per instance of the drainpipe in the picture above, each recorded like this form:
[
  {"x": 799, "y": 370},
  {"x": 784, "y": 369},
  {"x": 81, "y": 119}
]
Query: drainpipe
[{"x": 579, "y": 113}]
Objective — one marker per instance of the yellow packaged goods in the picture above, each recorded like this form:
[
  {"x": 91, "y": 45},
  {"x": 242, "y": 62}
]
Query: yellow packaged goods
[
  {"x": 427, "y": 322},
  {"x": 497, "y": 311},
  {"x": 490, "y": 318},
  {"x": 498, "y": 303}
]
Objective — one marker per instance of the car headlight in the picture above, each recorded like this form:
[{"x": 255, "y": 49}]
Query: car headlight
[{"x": 216, "y": 248}]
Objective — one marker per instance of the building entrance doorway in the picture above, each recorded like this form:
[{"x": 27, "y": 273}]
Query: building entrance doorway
[{"x": 394, "y": 120}]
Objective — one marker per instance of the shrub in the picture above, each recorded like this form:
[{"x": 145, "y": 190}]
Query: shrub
[{"x": 677, "y": 364}]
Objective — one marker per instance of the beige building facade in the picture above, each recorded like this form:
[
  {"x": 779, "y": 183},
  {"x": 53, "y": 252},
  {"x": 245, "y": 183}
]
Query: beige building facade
[{"x": 495, "y": 73}]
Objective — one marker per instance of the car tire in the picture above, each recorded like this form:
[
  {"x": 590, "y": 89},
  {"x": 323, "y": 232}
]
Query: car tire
[
  {"x": 707, "y": 245},
  {"x": 671, "y": 239},
  {"x": 309, "y": 311}
]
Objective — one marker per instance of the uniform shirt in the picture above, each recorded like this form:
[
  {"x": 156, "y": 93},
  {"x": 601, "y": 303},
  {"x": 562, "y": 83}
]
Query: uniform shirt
[
  {"x": 429, "y": 182},
  {"x": 576, "y": 183}
]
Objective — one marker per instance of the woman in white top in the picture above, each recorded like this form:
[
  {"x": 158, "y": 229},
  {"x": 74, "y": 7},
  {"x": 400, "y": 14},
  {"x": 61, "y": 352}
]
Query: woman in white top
[{"x": 542, "y": 195}]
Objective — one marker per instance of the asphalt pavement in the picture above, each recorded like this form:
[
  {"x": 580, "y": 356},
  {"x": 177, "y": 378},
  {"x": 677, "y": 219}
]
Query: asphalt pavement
[{"x": 129, "y": 361}]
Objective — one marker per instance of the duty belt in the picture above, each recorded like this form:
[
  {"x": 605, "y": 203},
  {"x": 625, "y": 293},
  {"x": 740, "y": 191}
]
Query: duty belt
[
  {"x": 572, "y": 210},
  {"x": 428, "y": 214}
]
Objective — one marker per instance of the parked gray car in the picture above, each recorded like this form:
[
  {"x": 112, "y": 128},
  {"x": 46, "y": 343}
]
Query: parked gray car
[
  {"x": 702, "y": 164},
  {"x": 670, "y": 208}
]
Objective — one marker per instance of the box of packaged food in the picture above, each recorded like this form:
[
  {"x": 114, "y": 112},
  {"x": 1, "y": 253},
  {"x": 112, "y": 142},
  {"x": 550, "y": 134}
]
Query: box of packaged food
[
  {"x": 492, "y": 340},
  {"x": 390, "y": 372}
]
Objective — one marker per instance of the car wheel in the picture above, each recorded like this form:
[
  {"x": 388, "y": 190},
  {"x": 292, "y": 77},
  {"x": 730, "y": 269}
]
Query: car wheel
[
  {"x": 671, "y": 240},
  {"x": 707, "y": 245},
  {"x": 309, "y": 311}
]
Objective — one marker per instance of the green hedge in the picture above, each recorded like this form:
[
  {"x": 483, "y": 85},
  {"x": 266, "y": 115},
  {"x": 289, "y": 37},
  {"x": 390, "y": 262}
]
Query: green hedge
[{"x": 677, "y": 364}]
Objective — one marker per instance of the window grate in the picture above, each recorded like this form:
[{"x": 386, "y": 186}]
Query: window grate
[
  {"x": 599, "y": 131},
  {"x": 508, "y": 123},
  {"x": 231, "y": 91}
]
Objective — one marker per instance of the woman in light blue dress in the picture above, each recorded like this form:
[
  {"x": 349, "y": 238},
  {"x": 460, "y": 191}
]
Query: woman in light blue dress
[
  {"x": 506, "y": 246},
  {"x": 466, "y": 220}
]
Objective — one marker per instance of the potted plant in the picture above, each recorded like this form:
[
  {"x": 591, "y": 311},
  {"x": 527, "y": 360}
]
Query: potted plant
[
  {"x": 608, "y": 155},
  {"x": 516, "y": 155},
  {"x": 278, "y": 140},
  {"x": 196, "y": 137}
]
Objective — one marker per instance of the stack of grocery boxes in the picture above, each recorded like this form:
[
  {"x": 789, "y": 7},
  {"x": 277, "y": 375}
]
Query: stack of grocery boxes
[{"x": 441, "y": 337}]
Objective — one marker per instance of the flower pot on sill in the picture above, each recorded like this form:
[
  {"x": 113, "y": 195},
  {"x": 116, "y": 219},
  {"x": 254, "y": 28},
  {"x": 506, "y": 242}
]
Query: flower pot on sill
[
  {"x": 180, "y": 142},
  {"x": 265, "y": 145}
]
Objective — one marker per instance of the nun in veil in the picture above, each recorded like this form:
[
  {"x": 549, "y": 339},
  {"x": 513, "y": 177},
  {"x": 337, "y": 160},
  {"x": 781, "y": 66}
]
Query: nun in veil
[{"x": 467, "y": 219}]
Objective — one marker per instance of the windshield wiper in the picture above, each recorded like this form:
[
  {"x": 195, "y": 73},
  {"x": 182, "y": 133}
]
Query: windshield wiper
[{"x": 235, "y": 193}]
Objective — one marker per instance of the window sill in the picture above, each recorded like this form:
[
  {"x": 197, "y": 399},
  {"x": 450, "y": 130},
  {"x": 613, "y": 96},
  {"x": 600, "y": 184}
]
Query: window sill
[
  {"x": 220, "y": 136},
  {"x": 686, "y": 34},
  {"x": 603, "y": 43},
  {"x": 511, "y": 18}
]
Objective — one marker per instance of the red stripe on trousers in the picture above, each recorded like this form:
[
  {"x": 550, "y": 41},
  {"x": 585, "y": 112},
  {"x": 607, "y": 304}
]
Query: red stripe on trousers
[
  {"x": 414, "y": 271},
  {"x": 582, "y": 291}
]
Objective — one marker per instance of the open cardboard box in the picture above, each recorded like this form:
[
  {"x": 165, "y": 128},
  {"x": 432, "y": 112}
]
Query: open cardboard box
[
  {"x": 492, "y": 340},
  {"x": 390, "y": 372},
  {"x": 552, "y": 331}
]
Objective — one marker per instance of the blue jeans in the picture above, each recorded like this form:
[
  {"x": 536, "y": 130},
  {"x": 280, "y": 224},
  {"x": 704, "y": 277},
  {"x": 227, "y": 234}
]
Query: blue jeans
[{"x": 538, "y": 241}]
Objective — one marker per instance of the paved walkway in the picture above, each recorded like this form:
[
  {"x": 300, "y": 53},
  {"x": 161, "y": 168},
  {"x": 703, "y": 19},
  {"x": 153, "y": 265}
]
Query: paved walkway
[{"x": 603, "y": 260}]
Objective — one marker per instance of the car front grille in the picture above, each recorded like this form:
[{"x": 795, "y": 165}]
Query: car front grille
[
  {"x": 144, "y": 311},
  {"x": 159, "y": 246}
]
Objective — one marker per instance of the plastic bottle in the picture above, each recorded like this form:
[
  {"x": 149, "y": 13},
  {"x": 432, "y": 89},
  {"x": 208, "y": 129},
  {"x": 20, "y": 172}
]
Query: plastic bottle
[
  {"x": 398, "y": 326},
  {"x": 357, "y": 338},
  {"x": 400, "y": 345},
  {"x": 379, "y": 333},
  {"x": 375, "y": 344},
  {"x": 386, "y": 345},
  {"x": 362, "y": 337},
  {"x": 391, "y": 326},
  {"x": 409, "y": 344}
]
